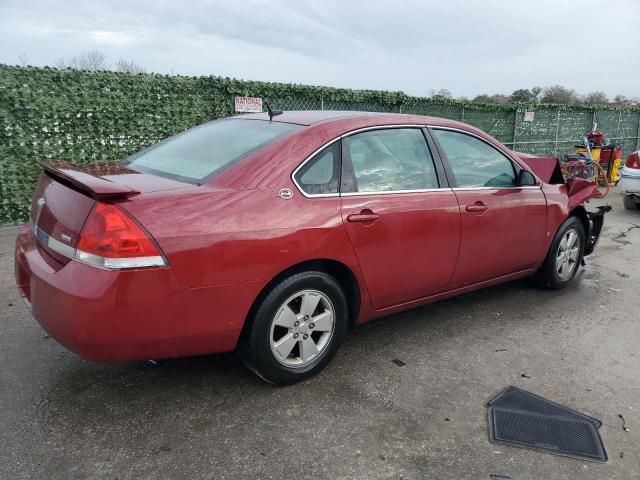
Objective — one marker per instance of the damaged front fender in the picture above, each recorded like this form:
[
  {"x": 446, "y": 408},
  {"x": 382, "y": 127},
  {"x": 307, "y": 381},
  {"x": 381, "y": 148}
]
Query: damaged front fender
[
  {"x": 577, "y": 191},
  {"x": 580, "y": 190}
]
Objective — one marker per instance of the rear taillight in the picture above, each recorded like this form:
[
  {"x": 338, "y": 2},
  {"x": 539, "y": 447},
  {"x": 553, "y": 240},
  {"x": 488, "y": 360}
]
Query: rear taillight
[
  {"x": 111, "y": 239},
  {"x": 633, "y": 161}
]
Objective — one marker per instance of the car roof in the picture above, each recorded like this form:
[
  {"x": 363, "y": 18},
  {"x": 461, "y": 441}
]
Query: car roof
[{"x": 313, "y": 117}]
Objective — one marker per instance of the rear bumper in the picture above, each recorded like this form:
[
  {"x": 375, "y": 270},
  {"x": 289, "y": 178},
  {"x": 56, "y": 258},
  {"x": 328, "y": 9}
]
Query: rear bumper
[
  {"x": 630, "y": 181},
  {"x": 128, "y": 315}
]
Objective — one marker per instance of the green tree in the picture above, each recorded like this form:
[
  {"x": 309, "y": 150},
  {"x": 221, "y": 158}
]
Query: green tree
[
  {"x": 522, "y": 95},
  {"x": 495, "y": 98},
  {"x": 559, "y": 94},
  {"x": 536, "y": 91}
]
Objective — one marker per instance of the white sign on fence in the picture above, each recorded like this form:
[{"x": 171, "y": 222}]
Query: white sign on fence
[
  {"x": 528, "y": 116},
  {"x": 248, "y": 104}
]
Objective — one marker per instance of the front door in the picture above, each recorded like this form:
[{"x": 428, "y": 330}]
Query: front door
[
  {"x": 503, "y": 225},
  {"x": 404, "y": 228}
]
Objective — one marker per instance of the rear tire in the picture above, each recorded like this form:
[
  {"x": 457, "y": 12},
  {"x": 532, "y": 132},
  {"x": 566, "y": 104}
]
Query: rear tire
[
  {"x": 564, "y": 257},
  {"x": 629, "y": 203},
  {"x": 296, "y": 329}
]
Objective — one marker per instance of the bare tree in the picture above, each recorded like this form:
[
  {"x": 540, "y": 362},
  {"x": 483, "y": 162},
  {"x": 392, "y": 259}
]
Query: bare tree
[
  {"x": 621, "y": 99},
  {"x": 442, "y": 93},
  {"x": 595, "y": 97},
  {"x": 91, "y": 61},
  {"x": 129, "y": 66},
  {"x": 23, "y": 60},
  {"x": 61, "y": 63}
]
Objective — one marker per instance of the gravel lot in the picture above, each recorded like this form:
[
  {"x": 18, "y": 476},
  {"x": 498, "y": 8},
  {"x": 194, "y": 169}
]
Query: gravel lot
[{"x": 364, "y": 416}]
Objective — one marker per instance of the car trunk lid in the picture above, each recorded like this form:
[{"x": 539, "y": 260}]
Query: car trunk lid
[{"x": 66, "y": 193}]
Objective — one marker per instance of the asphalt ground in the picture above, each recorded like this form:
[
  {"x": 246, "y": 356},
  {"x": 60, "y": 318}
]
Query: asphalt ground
[{"x": 365, "y": 416}]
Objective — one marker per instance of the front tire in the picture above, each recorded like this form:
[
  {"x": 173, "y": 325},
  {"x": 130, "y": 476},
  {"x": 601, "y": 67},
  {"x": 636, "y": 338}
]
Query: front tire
[
  {"x": 564, "y": 257},
  {"x": 296, "y": 329}
]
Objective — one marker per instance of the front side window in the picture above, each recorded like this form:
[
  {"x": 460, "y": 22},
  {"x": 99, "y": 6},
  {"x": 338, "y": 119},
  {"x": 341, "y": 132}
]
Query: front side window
[
  {"x": 198, "y": 153},
  {"x": 474, "y": 162},
  {"x": 394, "y": 159},
  {"x": 321, "y": 174}
]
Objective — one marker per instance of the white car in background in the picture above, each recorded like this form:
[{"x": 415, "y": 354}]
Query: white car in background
[{"x": 630, "y": 181}]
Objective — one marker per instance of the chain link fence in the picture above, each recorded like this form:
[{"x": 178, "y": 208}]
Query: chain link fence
[
  {"x": 101, "y": 117},
  {"x": 555, "y": 130}
]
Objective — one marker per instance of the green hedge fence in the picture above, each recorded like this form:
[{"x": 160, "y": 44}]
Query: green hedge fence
[{"x": 96, "y": 117}]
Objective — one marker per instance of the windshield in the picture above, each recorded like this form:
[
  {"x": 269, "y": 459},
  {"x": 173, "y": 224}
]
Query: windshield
[{"x": 199, "y": 153}]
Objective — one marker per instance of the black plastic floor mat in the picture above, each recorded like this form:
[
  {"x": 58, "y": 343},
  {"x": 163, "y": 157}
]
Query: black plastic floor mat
[
  {"x": 567, "y": 436},
  {"x": 515, "y": 398}
]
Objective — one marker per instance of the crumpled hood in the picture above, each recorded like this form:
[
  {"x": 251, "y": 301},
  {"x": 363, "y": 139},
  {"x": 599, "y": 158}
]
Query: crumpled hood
[{"x": 546, "y": 169}]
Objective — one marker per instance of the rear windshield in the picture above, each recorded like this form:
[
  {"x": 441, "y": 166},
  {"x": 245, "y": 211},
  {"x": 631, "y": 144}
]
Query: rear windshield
[{"x": 199, "y": 153}]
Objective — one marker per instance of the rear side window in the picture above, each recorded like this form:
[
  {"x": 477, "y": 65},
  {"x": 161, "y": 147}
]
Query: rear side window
[
  {"x": 394, "y": 159},
  {"x": 199, "y": 153},
  {"x": 474, "y": 162},
  {"x": 321, "y": 174}
]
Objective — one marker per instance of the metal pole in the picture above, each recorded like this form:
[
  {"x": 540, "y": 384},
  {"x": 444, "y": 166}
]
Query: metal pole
[
  {"x": 515, "y": 129},
  {"x": 462, "y": 116},
  {"x": 400, "y": 109},
  {"x": 555, "y": 147},
  {"x": 322, "y": 103},
  {"x": 618, "y": 126}
]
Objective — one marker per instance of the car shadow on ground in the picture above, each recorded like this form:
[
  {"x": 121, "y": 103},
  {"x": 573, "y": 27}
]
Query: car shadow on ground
[{"x": 76, "y": 380}]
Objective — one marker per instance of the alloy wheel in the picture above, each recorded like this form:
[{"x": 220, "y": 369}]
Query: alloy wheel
[
  {"x": 568, "y": 254},
  {"x": 302, "y": 328}
]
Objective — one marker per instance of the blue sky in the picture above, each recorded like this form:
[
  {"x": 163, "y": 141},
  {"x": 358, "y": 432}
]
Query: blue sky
[{"x": 467, "y": 47}]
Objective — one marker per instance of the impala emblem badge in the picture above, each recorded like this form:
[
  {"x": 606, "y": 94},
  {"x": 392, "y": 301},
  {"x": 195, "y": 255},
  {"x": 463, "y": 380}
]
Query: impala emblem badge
[
  {"x": 41, "y": 202},
  {"x": 285, "y": 193}
]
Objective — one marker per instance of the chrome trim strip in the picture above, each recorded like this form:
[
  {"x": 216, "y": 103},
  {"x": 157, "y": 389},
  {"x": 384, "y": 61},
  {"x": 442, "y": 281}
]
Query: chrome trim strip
[
  {"x": 325, "y": 195},
  {"x": 453, "y": 129},
  {"x": 390, "y": 192},
  {"x": 383, "y": 127},
  {"x": 293, "y": 175},
  {"x": 405, "y": 125},
  {"x": 106, "y": 263},
  {"x": 526, "y": 187},
  {"x": 55, "y": 245}
]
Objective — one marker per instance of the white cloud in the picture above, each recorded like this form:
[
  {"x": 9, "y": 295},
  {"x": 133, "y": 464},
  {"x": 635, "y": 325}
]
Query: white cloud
[
  {"x": 117, "y": 39},
  {"x": 493, "y": 46}
]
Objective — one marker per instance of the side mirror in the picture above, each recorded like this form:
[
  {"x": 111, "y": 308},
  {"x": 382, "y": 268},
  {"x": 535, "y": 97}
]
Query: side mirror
[{"x": 526, "y": 179}]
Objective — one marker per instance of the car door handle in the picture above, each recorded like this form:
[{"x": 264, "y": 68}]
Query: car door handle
[
  {"x": 477, "y": 207},
  {"x": 363, "y": 216}
]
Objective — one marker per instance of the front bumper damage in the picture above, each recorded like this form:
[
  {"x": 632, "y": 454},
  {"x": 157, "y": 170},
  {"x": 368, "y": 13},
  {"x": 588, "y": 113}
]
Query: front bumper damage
[{"x": 596, "y": 220}]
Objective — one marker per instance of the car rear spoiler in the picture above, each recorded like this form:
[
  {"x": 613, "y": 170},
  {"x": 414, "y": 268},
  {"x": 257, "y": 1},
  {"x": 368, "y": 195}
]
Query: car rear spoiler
[{"x": 79, "y": 179}]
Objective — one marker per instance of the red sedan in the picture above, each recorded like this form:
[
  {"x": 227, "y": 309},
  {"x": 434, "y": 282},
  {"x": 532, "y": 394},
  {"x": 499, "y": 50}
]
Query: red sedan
[{"x": 273, "y": 236}]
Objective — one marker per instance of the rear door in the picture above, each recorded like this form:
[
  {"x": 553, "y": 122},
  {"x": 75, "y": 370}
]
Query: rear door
[
  {"x": 503, "y": 225},
  {"x": 402, "y": 219}
]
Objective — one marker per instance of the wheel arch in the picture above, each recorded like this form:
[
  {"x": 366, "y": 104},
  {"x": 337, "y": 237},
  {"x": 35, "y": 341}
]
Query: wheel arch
[
  {"x": 338, "y": 270},
  {"x": 581, "y": 213}
]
